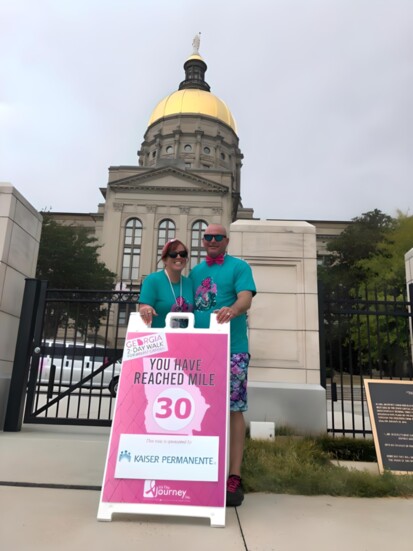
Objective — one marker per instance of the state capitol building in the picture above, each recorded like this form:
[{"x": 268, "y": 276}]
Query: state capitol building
[{"x": 188, "y": 176}]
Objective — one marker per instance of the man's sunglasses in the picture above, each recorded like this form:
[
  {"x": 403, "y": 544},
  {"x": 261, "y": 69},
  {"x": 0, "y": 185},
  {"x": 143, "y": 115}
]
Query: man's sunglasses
[
  {"x": 218, "y": 238},
  {"x": 182, "y": 254}
]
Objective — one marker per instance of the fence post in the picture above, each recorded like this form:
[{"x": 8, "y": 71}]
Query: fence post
[
  {"x": 410, "y": 298},
  {"x": 21, "y": 364},
  {"x": 321, "y": 334}
]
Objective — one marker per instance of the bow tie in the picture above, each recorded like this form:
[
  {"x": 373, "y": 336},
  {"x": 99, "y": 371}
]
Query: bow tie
[{"x": 218, "y": 260}]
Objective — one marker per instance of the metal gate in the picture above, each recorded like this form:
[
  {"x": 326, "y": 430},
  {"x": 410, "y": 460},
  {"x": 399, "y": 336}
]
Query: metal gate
[
  {"x": 363, "y": 334},
  {"x": 68, "y": 352}
]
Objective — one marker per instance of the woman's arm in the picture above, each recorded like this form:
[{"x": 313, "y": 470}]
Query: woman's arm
[{"x": 147, "y": 312}]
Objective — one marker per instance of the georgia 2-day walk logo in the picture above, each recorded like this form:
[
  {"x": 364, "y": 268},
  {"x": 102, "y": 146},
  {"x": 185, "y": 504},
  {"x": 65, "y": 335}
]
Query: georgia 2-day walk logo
[
  {"x": 136, "y": 347},
  {"x": 153, "y": 490}
]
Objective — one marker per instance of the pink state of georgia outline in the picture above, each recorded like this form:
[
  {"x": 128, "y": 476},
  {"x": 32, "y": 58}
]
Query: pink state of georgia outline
[{"x": 153, "y": 391}]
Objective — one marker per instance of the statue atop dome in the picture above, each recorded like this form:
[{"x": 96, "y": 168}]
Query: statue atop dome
[
  {"x": 195, "y": 68},
  {"x": 196, "y": 43}
]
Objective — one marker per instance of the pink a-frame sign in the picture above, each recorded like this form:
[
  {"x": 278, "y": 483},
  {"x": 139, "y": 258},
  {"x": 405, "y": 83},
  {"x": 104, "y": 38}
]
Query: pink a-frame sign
[{"x": 167, "y": 450}]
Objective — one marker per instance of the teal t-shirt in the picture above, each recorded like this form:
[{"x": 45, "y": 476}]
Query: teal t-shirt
[
  {"x": 217, "y": 286},
  {"x": 156, "y": 291}
]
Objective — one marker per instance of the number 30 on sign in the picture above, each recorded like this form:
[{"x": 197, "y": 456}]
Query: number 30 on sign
[{"x": 173, "y": 409}]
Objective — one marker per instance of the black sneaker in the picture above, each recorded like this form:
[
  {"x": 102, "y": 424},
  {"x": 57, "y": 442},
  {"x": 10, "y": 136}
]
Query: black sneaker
[{"x": 235, "y": 495}]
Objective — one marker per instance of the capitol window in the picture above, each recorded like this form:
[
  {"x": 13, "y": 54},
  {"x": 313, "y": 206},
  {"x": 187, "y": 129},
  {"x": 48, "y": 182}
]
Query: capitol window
[
  {"x": 198, "y": 252},
  {"x": 166, "y": 232},
  {"x": 131, "y": 249}
]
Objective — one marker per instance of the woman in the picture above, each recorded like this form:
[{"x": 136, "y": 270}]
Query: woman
[{"x": 168, "y": 290}]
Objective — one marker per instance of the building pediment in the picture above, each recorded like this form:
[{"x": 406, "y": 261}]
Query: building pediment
[{"x": 168, "y": 179}]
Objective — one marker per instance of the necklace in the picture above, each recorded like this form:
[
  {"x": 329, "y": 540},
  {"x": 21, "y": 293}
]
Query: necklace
[{"x": 178, "y": 307}]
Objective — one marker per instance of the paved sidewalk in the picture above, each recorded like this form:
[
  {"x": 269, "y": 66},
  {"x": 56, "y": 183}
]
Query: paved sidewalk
[{"x": 56, "y": 517}]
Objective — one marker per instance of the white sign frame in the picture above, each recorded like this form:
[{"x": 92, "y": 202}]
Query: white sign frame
[{"x": 215, "y": 514}]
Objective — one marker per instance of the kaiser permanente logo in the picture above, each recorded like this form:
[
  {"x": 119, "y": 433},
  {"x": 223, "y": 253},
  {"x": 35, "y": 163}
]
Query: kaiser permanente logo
[
  {"x": 143, "y": 346},
  {"x": 125, "y": 455},
  {"x": 153, "y": 490}
]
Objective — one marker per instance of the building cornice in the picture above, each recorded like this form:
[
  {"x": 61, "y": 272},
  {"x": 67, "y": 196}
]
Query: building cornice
[{"x": 151, "y": 180}]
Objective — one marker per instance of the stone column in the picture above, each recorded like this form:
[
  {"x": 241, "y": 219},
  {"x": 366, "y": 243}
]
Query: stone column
[
  {"x": 184, "y": 233},
  {"x": 198, "y": 138},
  {"x": 149, "y": 243},
  {"x": 111, "y": 246},
  {"x": 284, "y": 373},
  {"x": 20, "y": 229},
  {"x": 408, "y": 258}
]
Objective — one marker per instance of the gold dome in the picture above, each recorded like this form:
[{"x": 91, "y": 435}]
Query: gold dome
[{"x": 194, "y": 102}]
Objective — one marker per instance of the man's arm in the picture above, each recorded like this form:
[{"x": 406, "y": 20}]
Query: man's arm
[{"x": 240, "y": 306}]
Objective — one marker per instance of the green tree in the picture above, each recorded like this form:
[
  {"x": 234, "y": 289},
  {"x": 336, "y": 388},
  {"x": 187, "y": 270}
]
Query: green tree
[
  {"x": 386, "y": 268},
  {"x": 386, "y": 336},
  {"x": 358, "y": 242},
  {"x": 68, "y": 258}
]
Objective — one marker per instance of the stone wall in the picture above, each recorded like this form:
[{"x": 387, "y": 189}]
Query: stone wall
[
  {"x": 284, "y": 373},
  {"x": 20, "y": 228}
]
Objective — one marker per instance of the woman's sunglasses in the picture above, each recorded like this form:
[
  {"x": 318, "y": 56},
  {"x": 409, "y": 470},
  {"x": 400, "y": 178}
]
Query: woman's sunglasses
[
  {"x": 218, "y": 238},
  {"x": 182, "y": 254}
]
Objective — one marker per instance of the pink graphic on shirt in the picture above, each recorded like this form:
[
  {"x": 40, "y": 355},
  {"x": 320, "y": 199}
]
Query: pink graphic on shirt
[{"x": 206, "y": 295}]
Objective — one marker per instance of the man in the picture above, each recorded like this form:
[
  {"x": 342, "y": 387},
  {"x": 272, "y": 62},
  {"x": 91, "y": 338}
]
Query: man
[{"x": 224, "y": 285}]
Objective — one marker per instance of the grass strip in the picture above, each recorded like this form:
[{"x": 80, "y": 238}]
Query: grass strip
[{"x": 302, "y": 466}]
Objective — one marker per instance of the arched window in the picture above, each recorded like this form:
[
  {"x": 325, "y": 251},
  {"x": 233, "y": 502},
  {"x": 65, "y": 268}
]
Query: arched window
[
  {"x": 197, "y": 250},
  {"x": 132, "y": 250},
  {"x": 166, "y": 232}
]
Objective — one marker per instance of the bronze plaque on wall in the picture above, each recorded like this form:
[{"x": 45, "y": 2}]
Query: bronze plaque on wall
[{"x": 391, "y": 414}]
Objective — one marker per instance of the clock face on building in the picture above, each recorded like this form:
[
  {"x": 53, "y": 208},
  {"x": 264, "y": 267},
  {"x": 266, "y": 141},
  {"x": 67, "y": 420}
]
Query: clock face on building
[
  {"x": 188, "y": 147},
  {"x": 169, "y": 149}
]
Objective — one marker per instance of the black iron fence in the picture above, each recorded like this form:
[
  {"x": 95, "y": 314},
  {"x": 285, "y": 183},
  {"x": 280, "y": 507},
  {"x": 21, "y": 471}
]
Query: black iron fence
[
  {"x": 70, "y": 343},
  {"x": 68, "y": 353},
  {"x": 364, "y": 333}
]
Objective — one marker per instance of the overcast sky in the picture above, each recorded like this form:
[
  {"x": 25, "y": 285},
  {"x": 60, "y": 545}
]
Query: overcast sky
[{"x": 322, "y": 92}]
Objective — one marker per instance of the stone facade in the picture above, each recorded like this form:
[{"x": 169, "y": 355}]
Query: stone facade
[
  {"x": 284, "y": 373},
  {"x": 20, "y": 228},
  {"x": 167, "y": 193}
]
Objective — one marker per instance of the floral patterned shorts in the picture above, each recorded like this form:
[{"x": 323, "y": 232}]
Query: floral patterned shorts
[{"x": 238, "y": 382}]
